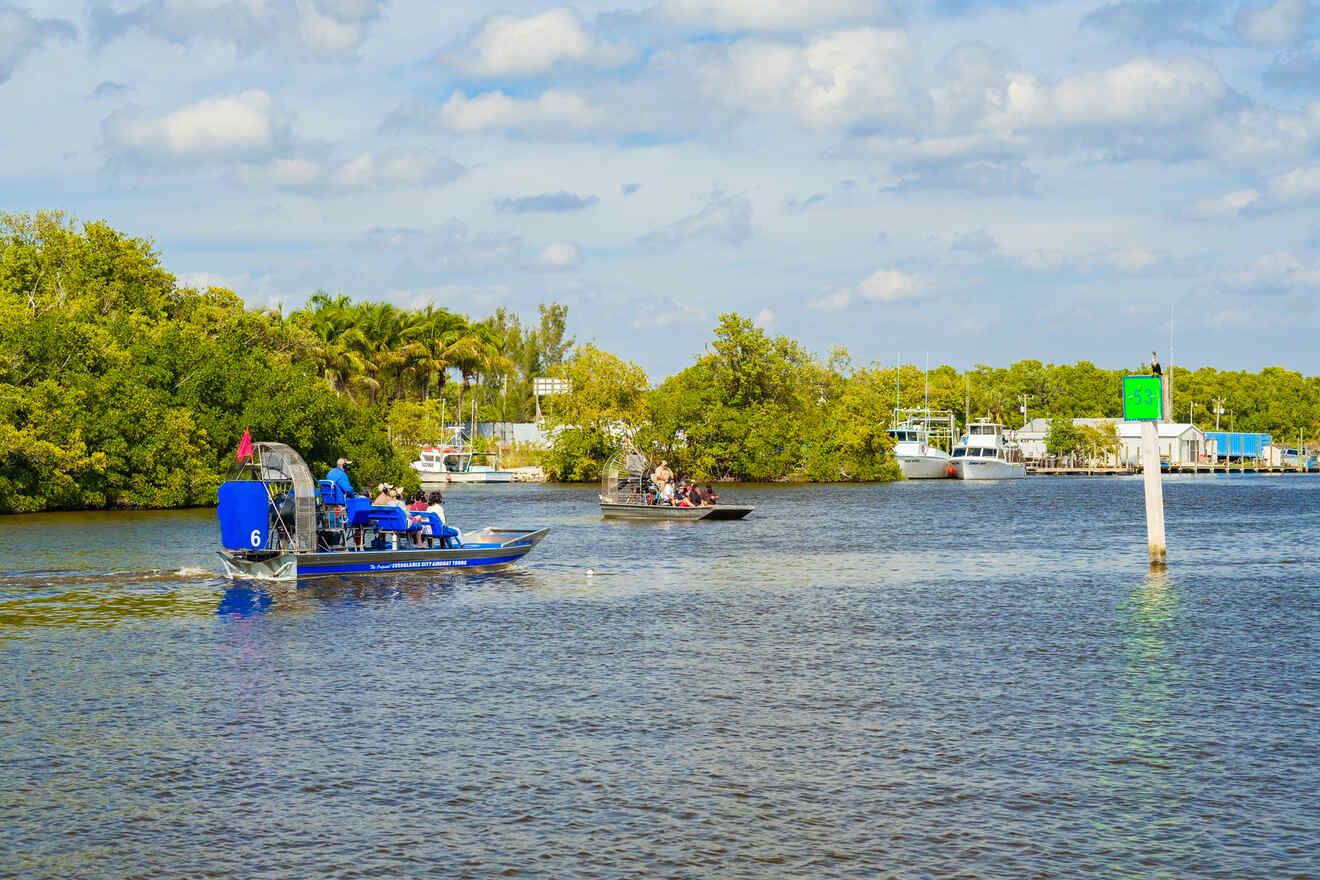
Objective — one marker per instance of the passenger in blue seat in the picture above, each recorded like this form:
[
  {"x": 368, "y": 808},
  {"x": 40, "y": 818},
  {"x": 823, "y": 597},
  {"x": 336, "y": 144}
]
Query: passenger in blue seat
[{"x": 339, "y": 477}]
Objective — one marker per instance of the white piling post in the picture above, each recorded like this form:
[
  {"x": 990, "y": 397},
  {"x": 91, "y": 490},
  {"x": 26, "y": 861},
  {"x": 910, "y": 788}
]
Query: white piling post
[{"x": 1150, "y": 458}]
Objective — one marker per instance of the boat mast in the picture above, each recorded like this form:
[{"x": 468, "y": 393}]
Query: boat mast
[
  {"x": 926, "y": 415},
  {"x": 898, "y": 383}
]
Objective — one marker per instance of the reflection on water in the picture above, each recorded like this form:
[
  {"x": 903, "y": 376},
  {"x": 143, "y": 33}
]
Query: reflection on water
[{"x": 857, "y": 681}]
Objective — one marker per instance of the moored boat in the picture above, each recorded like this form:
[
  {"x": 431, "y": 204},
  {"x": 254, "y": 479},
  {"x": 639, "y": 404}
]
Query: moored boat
[
  {"x": 917, "y": 435},
  {"x": 277, "y": 522},
  {"x": 985, "y": 454},
  {"x": 457, "y": 462},
  {"x": 625, "y": 494}
]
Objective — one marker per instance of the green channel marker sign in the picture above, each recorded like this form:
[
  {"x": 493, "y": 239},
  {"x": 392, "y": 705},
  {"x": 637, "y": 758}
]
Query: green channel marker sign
[{"x": 1143, "y": 399}]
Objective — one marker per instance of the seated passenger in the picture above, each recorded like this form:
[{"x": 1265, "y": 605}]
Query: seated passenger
[
  {"x": 712, "y": 497},
  {"x": 417, "y": 504},
  {"x": 383, "y": 497},
  {"x": 437, "y": 506},
  {"x": 339, "y": 477},
  {"x": 695, "y": 496}
]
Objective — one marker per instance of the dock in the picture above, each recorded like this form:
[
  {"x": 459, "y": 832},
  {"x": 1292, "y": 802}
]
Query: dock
[{"x": 1193, "y": 469}]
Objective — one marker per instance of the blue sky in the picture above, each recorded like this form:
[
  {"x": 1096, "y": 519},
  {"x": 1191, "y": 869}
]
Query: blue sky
[{"x": 977, "y": 182}]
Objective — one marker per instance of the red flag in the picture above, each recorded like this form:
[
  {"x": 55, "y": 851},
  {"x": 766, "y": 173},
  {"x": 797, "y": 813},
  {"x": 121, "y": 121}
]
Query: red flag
[{"x": 245, "y": 445}]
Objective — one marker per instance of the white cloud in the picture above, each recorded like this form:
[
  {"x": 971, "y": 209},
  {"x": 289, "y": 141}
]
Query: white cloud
[
  {"x": 1294, "y": 187},
  {"x": 1276, "y": 271},
  {"x": 509, "y": 46},
  {"x": 781, "y": 15},
  {"x": 1222, "y": 207},
  {"x": 764, "y": 319},
  {"x": 836, "y": 79},
  {"x": 559, "y": 255},
  {"x": 1274, "y": 25},
  {"x": 1254, "y": 136},
  {"x": 892, "y": 285},
  {"x": 832, "y": 301},
  {"x": 554, "y": 110},
  {"x": 317, "y": 28},
  {"x": 1142, "y": 92},
  {"x": 232, "y": 125},
  {"x": 21, "y": 35}
]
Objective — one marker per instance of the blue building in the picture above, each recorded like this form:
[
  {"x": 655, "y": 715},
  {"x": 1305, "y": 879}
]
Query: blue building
[{"x": 1236, "y": 445}]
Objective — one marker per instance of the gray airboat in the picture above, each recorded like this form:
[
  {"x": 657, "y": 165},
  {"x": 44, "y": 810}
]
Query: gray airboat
[{"x": 625, "y": 493}]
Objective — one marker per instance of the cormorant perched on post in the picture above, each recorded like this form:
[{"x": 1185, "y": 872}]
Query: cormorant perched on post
[{"x": 1155, "y": 365}]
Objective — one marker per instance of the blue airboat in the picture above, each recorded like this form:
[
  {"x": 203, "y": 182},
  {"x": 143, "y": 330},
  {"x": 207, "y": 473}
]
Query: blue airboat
[{"x": 277, "y": 522}]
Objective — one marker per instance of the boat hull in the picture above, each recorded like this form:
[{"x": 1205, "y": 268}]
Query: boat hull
[
  {"x": 438, "y": 478},
  {"x": 924, "y": 467},
  {"x": 987, "y": 469},
  {"x": 485, "y": 550},
  {"x": 665, "y": 512}
]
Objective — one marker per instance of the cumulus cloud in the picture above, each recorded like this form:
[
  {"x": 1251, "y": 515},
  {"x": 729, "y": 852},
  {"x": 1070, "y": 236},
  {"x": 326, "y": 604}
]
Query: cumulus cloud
[
  {"x": 725, "y": 218},
  {"x": 559, "y": 255},
  {"x": 1222, "y": 207},
  {"x": 21, "y": 35},
  {"x": 553, "y": 111},
  {"x": 546, "y": 203},
  {"x": 1275, "y": 25},
  {"x": 882, "y": 285},
  {"x": 1255, "y": 136},
  {"x": 764, "y": 319},
  {"x": 508, "y": 46},
  {"x": 364, "y": 172},
  {"x": 1275, "y": 273},
  {"x": 240, "y": 125},
  {"x": 736, "y": 16},
  {"x": 1144, "y": 92},
  {"x": 323, "y": 28},
  {"x": 832, "y": 301},
  {"x": 892, "y": 285},
  {"x": 839, "y": 79}
]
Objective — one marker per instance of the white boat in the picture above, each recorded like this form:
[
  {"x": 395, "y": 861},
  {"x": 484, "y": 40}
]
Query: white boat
[
  {"x": 453, "y": 463},
  {"x": 984, "y": 453},
  {"x": 917, "y": 458}
]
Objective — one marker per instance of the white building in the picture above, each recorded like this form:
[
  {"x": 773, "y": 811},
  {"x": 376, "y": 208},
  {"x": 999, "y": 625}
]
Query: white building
[{"x": 1178, "y": 442}]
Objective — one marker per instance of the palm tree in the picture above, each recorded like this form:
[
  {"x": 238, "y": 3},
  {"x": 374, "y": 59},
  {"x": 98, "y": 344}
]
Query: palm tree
[
  {"x": 331, "y": 321},
  {"x": 431, "y": 335}
]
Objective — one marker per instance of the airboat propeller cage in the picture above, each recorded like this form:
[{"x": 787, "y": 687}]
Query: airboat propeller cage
[
  {"x": 622, "y": 476},
  {"x": 244, "y": 499}
]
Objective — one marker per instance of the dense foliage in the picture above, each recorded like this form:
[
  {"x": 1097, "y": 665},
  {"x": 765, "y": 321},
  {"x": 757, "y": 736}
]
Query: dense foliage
[{"x": 120, "y": 387}]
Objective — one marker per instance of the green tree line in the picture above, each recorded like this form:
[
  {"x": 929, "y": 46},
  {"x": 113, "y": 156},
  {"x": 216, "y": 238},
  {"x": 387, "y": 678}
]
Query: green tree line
[{"x": 120, "y": 387}]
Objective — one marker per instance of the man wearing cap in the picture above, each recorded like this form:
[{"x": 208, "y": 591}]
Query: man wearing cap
[{"x": 339, "y": 477}]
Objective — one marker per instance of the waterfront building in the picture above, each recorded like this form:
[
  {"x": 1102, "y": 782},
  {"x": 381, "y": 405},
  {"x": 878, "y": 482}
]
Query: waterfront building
[{"x": 1179, "y": 443}]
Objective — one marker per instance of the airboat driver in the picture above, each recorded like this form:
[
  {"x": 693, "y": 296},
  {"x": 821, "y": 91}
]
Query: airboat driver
[{"x": 339, "y": 476}]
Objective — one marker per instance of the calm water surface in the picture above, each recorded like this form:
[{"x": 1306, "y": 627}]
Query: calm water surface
[{"x": 911, "y": 680}]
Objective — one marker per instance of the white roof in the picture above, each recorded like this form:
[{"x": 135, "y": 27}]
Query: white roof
[{"x": 1126, "y": 430}]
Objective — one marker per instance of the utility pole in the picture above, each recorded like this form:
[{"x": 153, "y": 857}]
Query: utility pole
[
  {"x": 1023, "y": 398},
  {"x": 1219, "y": 409}
]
